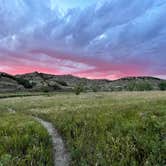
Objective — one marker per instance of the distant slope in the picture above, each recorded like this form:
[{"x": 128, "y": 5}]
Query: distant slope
[
  {"x": 8, "y": 83},
  {"x": 137, "y": 83},
  {"x": 128, "y": 83},
  {"x": 46, "y": 82},
  {"x": 63, "y": 82}
]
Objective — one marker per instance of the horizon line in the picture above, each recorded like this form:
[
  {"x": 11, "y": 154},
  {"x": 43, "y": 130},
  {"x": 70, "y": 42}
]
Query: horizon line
[{"x": 140, "y": 76}]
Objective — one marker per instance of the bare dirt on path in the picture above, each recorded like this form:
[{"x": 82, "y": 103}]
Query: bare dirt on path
[{"x": 61, "y": 155}]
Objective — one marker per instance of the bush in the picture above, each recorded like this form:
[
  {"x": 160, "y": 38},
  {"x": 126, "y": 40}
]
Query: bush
[
  {"x": 162, "y": 86},
  {"x": 78, "y": 89}
]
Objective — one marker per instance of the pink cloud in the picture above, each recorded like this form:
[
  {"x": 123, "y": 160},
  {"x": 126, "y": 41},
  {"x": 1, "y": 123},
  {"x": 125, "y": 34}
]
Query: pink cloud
[{"x": 53, "y": 62}]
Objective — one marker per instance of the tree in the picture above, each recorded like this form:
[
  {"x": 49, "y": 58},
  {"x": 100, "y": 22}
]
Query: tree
[
  {"x": 162, "y": 85},
  {"x": 78, "y": 88}
]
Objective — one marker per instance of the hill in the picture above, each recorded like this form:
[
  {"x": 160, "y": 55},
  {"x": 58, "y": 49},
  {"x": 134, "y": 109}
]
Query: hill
[
  {"x": 46, "y": 82},
  {"x": 9, "y": 83}
]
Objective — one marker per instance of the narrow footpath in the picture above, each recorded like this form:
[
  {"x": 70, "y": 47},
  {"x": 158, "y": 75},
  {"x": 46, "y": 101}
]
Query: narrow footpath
[{"x": 61, "y": 155}]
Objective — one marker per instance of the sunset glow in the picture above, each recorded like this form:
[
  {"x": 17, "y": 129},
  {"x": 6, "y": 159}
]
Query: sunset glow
[{"x": 94, "y": 39}]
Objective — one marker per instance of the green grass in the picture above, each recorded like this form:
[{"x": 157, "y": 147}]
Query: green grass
[
  {"x": 103, "y": 129},
  {"x": 23, "y": 141}
]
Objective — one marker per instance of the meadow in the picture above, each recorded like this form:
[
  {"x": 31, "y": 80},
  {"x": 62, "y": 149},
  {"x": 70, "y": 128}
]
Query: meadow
[{"x": 99, "y": 129}]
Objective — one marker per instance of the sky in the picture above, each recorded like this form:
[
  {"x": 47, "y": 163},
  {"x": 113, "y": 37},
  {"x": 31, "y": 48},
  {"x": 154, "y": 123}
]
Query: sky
[{"x": 97, "y": 39}]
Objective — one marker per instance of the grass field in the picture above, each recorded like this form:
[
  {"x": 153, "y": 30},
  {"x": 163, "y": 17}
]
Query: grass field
[
  {"x": 100, "y": 129},
  {"x": 23, "y": 141}
]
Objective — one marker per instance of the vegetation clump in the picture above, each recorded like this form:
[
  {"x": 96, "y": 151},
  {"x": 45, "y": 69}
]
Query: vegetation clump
[
  {"x": 162, "y": 85},
  {"x": 78, "y": 88}
]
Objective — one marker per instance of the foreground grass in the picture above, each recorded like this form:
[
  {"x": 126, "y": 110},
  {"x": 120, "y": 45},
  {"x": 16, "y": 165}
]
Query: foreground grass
[
  {"x": 23, "y": 142},
  {"x": 104, "y": 128}
]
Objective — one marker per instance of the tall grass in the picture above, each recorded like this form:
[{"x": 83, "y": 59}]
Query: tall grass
[
  {"x": 103, "y": 129},
  {"x": 23, "y": 142}
]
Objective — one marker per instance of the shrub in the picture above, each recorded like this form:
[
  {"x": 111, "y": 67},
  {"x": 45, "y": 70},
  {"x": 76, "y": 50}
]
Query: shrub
[
  {"x": 162, "y": 85},
  {"x": 78, "y": 89}
]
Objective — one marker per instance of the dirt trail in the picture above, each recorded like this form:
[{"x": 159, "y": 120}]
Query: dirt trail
[{"x": 61, "y": 156}]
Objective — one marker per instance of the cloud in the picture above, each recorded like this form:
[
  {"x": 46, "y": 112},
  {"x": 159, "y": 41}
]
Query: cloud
[{"x": 106, "y": 39}]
